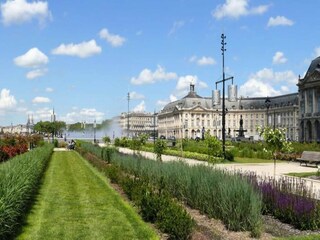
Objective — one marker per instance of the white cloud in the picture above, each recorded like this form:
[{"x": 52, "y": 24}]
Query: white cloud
[
  {"x": 36, "y": 73},
  {"x": 257, "y": 88},
  {"x": 49, "y": 89},
  {"x": 316, "y": 52},
  {"x": 42, "y": 114},
  {"x": 136, "y": 96},
  {"x": 279, "y": 58},
  {"x": 41, "y": 100},
  {"x": 33, "y": 58},
  {"x": 82, "y": 50},
  {"x": 91, "y": 113},
  {"x": 206, "y": 61},
  {"x": 85, "y": 114},
  {"x": 20, "y": 11},
  {"x": 279, "y": 21},
  {"x": 203, "y": 61},
  {"x": 236, "y": 9},
  {"x": 114, "y": 40},
  {"x": 7, "y": 101},
  {"x": 263, "y": 82},
  {"x": 162, "y": 103},
  {"x": 173, "y": 98},
  {"x": 183, "y": 84},
  {"x": 146, "y": 76},
  {"x": 141, "y": 107},
  {"x": 176, "y": 25}
]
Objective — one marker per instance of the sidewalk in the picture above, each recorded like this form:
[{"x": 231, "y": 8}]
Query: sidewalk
[{"x": 261, "y": 169}]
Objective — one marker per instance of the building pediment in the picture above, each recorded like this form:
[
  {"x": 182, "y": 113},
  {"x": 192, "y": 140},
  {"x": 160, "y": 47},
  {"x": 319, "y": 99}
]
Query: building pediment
[
  {"x": 310, "y": 79},
  {"x": 198, "y": 108}
]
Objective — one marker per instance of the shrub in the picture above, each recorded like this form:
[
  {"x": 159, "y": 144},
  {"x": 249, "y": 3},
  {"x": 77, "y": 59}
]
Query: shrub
[
  {"x": 229, "y": 156},
  {"x": 19, "y": 181},
  {"x": 159, "y": 147},
  {"x": 106, "y": 154}
]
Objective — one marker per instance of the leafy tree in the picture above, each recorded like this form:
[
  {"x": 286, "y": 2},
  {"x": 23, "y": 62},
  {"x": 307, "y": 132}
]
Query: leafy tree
[
  {"x": 106, "y": 139},
  {"x": 276, "y": 141},
  {"x": 143, "y": 138},
  {"x": 48, "y": 128},
  {"x": 159, "y": 147},
  {"x": 214, "y": 146}
]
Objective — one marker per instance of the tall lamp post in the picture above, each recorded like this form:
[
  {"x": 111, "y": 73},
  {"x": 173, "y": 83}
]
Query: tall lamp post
[
  {"x": 154, "y": 127},
  {"x": 224, "y": 79},
  {"x": 53, "y": 120},
  {"x": 267, "y": 102},
  {"x": 128, "y": 125},
  {"x": 94, "y": 131}
]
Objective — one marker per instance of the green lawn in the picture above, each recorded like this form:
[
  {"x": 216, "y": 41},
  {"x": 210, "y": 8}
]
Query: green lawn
[
  {"x": 303, "y": 174},
  {"x": 76, "y": 202},
  {"x": 309, "y": 237},
  {"x": 253, "y": 160}
]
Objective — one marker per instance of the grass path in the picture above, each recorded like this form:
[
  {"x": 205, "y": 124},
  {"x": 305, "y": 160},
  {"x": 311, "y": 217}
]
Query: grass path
[{"x": 76, "y": 202}]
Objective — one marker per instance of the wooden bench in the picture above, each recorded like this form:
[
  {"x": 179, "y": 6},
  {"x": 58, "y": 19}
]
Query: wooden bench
[{"x": 309, "y": 157}]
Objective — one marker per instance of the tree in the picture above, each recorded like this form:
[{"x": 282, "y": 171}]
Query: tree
[
  {"x": 48, "y": 128},
  {"x": 214, "y": 146},
  {"x": 159, "y": 147},
  {"x": 276, "y": 141}
]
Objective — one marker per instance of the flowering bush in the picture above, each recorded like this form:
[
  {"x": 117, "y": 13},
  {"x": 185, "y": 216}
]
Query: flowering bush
[{"x": 275, "y": 140}]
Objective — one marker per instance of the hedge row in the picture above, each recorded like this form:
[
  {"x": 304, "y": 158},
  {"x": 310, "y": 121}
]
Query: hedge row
[{"x": 19, "y": 182}]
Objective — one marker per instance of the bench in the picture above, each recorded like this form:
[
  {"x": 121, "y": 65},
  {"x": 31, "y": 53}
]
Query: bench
[{"x": 309, "y": 157}]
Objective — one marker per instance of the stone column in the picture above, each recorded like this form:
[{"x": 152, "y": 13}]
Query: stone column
[{"x": 314, "y": 103}]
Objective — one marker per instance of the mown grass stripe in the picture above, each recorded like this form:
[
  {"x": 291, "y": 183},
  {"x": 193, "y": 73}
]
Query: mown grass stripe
[{"x": 76, "y": 202}]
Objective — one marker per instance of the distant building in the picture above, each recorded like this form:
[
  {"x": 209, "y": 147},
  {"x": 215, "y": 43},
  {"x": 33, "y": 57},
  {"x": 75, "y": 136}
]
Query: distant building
[
  {"x": 136, "y": 123},
  {"x": 192, "y": 115},
  {"x": 20, "y": 128},
  {"x": 309, "y": 97}
]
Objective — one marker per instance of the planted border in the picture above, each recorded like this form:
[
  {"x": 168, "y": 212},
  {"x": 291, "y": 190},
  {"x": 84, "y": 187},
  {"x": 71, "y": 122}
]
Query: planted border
[
  {"x": 19, "y": 181},
  {"x": 214, "y": 192}
]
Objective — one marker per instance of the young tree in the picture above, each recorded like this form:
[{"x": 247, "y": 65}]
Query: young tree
[
  {"x": 159, "y": 147},
  {"x": 276, "y": 141},
  {"x": 214, "y": 146}
]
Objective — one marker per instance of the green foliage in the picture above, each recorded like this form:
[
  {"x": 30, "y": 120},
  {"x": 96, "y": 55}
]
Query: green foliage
[
  {"x": 122, "y": 142},
  {"x": 135, "y": 144},
  {"x": 56, "y": 143},
  {"x": 19, "y": 182},
  {"x": 159, "y": 147},
  {"x": 106, "y": 139},
  {"x": 219, "y": 194},
  {"x": 173, "y": 219},
  {"x": 77, "y": 202},
  {"x": 229, "y": 156},
  {"x": 275, "y": 140},
  {"x": 50, "y": 127},
  {"x": 106, "y": 154},
  {"x": 214, "y": 146}
]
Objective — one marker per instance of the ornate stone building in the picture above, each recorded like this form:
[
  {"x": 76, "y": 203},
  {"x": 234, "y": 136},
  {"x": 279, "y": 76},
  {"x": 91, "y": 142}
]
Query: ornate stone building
[
  {"x": 138, "y": 122},
  {"x": 193, "y": 114},
  {"x": 309, "y": 97}
]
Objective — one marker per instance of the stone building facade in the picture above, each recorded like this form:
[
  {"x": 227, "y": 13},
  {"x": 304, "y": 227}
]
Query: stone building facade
[
  {"x": 190, "y": 116},
  {"x": 136, "y": 123},
  {"x": 309, "y": 97}
]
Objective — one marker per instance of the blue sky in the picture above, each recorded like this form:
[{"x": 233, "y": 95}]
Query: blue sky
[{"x": 83, "y": 57}]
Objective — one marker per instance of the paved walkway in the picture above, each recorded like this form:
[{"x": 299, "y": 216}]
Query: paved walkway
[{"x": 261, "y": 169}]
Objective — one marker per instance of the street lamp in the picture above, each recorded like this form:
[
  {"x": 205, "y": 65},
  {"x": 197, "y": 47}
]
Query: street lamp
[
  {"x": 53, "y": 120},
  {"x": 224, "y": 110},
  {"x": 94, "y": 131},
  {"x": 267, "y": 102}
]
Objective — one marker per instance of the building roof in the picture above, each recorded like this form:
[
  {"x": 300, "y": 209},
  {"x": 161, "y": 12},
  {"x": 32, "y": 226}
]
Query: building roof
[
  {"x": 314, "y": 66},
  {"x": 192, "y": 100}
]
